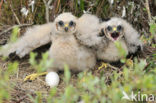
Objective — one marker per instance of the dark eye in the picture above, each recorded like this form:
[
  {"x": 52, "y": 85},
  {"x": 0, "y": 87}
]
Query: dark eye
[
  {"x": 109, "y": 28},
  {"x": 119, "y": 27},
  {"x": 71, "y": 23},
  {"x": 61, "y": 23},
  {"x": 101, "y": 34}
]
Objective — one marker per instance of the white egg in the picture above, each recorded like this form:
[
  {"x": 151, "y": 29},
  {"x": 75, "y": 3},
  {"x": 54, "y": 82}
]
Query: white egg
[{"x": 52, "y": 79}]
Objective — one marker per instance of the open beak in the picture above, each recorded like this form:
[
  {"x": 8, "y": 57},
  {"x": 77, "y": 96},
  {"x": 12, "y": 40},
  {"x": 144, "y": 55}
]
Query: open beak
[
  {"x": 66, "y": 27},
  {"x": 115, "y": 34}
]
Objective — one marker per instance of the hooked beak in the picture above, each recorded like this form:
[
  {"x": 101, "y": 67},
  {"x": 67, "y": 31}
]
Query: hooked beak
[
  {"x": 114, "y": 29},
  {"x": 66, "y": 26}
]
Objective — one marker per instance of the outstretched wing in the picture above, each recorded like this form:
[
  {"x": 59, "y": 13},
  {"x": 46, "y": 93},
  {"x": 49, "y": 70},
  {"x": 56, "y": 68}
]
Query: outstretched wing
[{"x": 33, "y": 38}]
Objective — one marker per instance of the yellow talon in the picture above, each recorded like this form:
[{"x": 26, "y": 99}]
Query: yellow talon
[
  {"x": 129, "y": 62},
  {"x": 103, "y": 65},
  {"x": 31, "y": 77},
  {"x": 34, "y": 76}
]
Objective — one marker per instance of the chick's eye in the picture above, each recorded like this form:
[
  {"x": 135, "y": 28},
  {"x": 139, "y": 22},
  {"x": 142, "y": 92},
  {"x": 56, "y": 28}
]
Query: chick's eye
[
  {"x": 61, "y": 23},
  {"x": 71, "y": 23},
  {"x": 101, "y": 34},
  {"x": 109, "y": 28},
  {"x": 119, "y": 27}
]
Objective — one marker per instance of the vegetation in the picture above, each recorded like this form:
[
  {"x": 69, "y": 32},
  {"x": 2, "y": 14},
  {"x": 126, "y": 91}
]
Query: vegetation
[{"x": 107, "y": 85}]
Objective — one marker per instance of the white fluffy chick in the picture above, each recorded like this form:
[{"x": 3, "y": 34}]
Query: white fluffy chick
[
  {"x": 66, "y": 49},
  {"x": 117, "y": 29}
]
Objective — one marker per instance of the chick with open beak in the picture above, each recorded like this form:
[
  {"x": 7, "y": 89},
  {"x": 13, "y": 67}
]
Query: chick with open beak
[{"x": 114, "y": 32}]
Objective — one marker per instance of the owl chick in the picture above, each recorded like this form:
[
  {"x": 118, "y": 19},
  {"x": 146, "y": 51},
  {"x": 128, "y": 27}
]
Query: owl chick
[
  {"x": 117, "y": 29},
  {"x": 33, "y": 38},
  {"x": 66, "y": 49}
]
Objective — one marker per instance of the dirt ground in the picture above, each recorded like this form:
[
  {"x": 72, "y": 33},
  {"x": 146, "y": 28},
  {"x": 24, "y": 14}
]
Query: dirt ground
[{"x": 22, "y": 90}]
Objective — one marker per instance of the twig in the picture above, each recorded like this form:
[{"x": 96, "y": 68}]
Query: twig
[
  {"x": 58, "y": 4},
  {"x": 1, "y": 6},
  {"x": 21, "y": 99},
  {"x": 99, "y": 7},
  {"x": 17, "y": 75},
  {"x": 15, "y": 15},
  {"x": 44, "y": 2},
  {"x": 7, "y": 30},
  {"x": 47, "y": 4},
  {"x": 113, "y": 67},
  {"x": 148, "y": 10}
]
